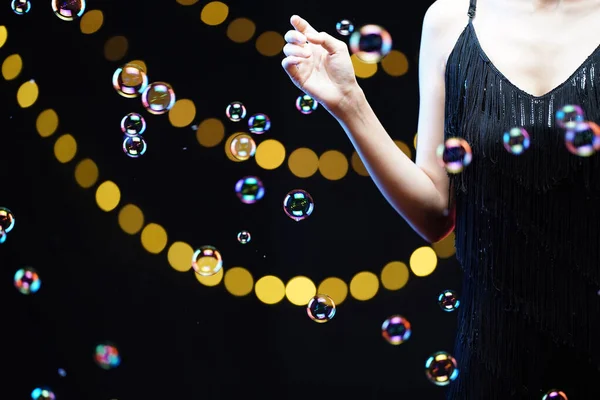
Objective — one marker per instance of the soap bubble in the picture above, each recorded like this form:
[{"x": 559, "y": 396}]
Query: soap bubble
[
  {"x": 242, "y": 147},
  {"x": 555, "y": 394},
  {"x": 516, "y": 141},
  {"x": 106, "y": 356},
  {"x": 235, "y": 111},
  {"x": 396, "y": 330},
  {"x": 454, "y": 155},
  {"x": 21, "y": 7},
  {"x": 68, "y": 10},
  {"x": 448, "y": 300},
  {"x": 7, "y": 219},
  {"x": 249, "y": 189},
  {"x": 321, "y": 308},
  {"x": 298, "y": 204},
  {"x": 133, "y": 124},
  {"x": 27, "y": 280},
  {"x": 134, "y": 146},
  {"x": 568, "y": 116},
  {"x": 42, "y": 394},
  {"x": 306, "y": 104},
  {"x": 244, "y": 237},
  {"x": 344, "y": 27},
  {"x": 207, "y": 261},
  {"x": 583, "y": 138},
  {"x": 441, "y": 368},
  {"x": 130, "y": 80},
  {"x": 259, "y": 123},
  {"x": 370, "y": 43},
  {"x": 158, "y": 98}
]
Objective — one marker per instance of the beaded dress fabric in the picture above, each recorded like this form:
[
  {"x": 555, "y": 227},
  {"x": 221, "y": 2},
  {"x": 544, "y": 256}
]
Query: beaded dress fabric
[{"x": 527, "y": 235}]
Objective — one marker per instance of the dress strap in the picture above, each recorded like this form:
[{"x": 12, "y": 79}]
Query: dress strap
[{"x": 472, "y": 7}]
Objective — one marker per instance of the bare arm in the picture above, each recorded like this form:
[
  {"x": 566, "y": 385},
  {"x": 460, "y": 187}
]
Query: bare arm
[{"x": 418, "y": 191}]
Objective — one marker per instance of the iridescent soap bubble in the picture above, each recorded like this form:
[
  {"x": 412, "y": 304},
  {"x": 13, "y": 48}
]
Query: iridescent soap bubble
[
  {"x": 298, "y": 204},
  {"x": 454, "y": 155},
  {"x": 321, "y": 308},
  {"x": 583, "y": 138},
  {"x": 244, "y": 237},
  {"x": 235, "y": 111},
  {"x": 7, "y": 219},
  {"x": 106, "y": 356},
  {"x": 68, "y": 10},
  {"x": 441, "y": 368},
  {"x": 259, "y": 123},
  {"x": 344, "y": 27},
  {"x": 242, "y": 147},
  {"x": 130, "y": 80},
  {"x": 3, "y": 235},
  {"x": 133, "y": 124},
  {"x": 134, "y": 146},
  {"x": 448, "y": 300},
  {"x": 158, "y": 98},
  {"x": 249, "y": 189},
  {"x": 27, "y": 280},
  {"x": 568, "y": 116},
  {"x": 396, "y": 330},
  {"x": 555, "y": 394},
  {"x": 21, "y": 7},
  {"x": 370, "y": 43},
  {"x": 42, "y": 394},
  {"x": 306, "y": 104},
  {"x": 516, "y": 140},
  {"x": 207, "y": 261}
]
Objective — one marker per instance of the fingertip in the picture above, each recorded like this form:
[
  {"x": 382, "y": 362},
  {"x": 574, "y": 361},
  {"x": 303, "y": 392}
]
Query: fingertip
[{"x": 294, "y": 19}]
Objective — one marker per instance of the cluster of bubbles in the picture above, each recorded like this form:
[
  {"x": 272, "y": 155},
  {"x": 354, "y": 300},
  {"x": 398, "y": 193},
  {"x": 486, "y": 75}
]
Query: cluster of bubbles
[
  {"x": 370, "y": 43},
  {"x": 131, "y": 81},
  {"x": 67, "y": 10},
  {"x": 42, "y": 393},
  {"x": 581, "y": 138},
  {"x": 106, "y": 356}
]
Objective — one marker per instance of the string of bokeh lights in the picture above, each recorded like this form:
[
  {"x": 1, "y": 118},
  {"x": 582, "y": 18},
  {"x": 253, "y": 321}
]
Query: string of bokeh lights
[{"x": 237, "y": 280}]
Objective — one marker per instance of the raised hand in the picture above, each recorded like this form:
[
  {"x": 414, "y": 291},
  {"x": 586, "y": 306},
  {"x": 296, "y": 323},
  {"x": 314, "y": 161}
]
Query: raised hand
[{"x": 318, "y": 64}]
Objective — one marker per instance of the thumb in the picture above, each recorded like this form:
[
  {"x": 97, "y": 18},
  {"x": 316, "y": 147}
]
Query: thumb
[{"x": 328, "y": 42}]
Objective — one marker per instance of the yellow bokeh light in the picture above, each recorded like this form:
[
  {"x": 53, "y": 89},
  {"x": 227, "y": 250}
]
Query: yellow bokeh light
[
  {"x": 140, "y": 64},
  {"x": 241, "y": 30},
  {"x": 180, "y": 256},
  {"x": 394, "y": 275},
  {"x": 423, "y": 261},
  {"x": 363, "y": 69},
  {"x": 335, "y": 288},
  {"x": 65, "y": 148},
  {"x": 357, "y": 165},
  {"x": 3, "y": 35},
  {"x": 154, "y": 238},
  {"x": 182, "y": 113},
  {"x": 445, "y": 248},
  {"x": 269, "y": 289},
  {"x": 12, "y": 66},
  {"x": 303, "y": 162},
  {"x": 364, "y": 286},
  {"x": 28, "y": 94},
  {"x": 299, "y": 290},
  {"x": 395, "y": 63},
  {"x": 269, "y": 43},
  {"x": 91, "y": 22},
  {"x": 131, "y": 219},
  {"x": 238, "y": 281},
  {"x": 415, "y": 140},
  {"x": 86, "y": 173},
  {"x": 210, "y": 132},
  {"x": 116, "y": 48},
  {"x": 270, "y": 154},
  {"x": 214, "y": 13},
  {"x": 47, "y": 123},
  {"x": 187, "y": 2},
  {"x": 333, "y": 165},
  {"x": 404, "y": 147},
  {"x": 212, "y": 280},
  {"x": 108, "y": 196}
]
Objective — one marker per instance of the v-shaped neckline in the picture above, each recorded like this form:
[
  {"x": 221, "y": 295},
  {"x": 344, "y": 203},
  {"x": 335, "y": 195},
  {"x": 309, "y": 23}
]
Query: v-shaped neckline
[{"x": 517, "y": 88}]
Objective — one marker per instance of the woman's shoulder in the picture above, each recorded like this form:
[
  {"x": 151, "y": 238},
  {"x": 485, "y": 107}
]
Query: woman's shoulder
[{"x": 443, "y": 23}]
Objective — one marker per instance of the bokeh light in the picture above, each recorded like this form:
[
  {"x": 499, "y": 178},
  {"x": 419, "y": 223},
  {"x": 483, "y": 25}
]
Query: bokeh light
[
  {"x": 108, "y": 196},
  {"x": 423, "y": 261},
  {"x": 154, "y": 238},
  {"x": 299, "y": 289},
  {"x": 12, "y": 67},
  {"x": 91, "y": 22},
  {"x": 238, "y": 281},
  {"x": 106, "y": 356},
  {"x": 214, "y": 13},
  {"x": 394, "y": 275},
  {"x": 86, "y": 173},
  {"x": 364, "y": 286},
  {"x": 28, "y": 94},
  {"x": 270, "y": 289},
  {"x": 47, "y": 123},
  {"x": 42, "y": 394},
  {"x": 241, "y": 30}
]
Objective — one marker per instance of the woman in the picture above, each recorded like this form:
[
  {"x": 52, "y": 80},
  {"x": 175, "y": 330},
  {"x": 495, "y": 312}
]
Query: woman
[{"x": 527, "y": 225}]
